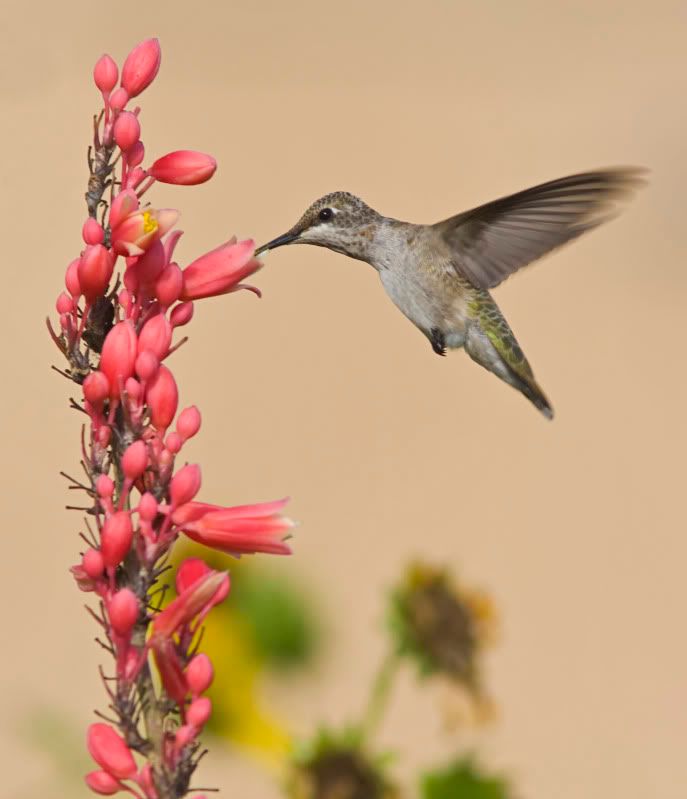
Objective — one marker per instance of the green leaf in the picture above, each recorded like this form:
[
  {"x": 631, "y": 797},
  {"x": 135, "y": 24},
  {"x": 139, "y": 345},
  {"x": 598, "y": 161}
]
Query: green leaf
[{"x": 463, "y": 779}]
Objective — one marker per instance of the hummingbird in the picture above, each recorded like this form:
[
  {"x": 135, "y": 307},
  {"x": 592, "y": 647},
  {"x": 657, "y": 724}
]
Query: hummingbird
[{"x": 440, "y": 275}]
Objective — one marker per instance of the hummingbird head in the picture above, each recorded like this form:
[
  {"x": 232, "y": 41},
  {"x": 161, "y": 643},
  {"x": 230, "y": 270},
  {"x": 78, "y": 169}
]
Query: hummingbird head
[{"x": 339, "y": 221}]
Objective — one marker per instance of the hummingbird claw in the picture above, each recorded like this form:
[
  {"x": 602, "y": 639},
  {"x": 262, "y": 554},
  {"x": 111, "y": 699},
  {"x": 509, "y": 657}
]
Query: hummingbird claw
[{"x": 437, "y": 340}]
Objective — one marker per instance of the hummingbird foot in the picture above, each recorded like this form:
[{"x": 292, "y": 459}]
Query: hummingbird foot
[{"x": 438, "y": 341}]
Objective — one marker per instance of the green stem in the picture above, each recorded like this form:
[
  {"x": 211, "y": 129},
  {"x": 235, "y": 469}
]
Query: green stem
[{"x": 380, "y": 692}]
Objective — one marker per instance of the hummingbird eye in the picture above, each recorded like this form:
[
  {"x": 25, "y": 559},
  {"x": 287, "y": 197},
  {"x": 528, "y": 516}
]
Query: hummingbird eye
[{"x": 326, "y": 214}]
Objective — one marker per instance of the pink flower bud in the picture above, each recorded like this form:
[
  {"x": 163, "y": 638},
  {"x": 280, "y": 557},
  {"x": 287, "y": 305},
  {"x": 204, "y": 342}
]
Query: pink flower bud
[
  {"x": 92, "y": 232},
  {"x": 104, "y": 486},
  {"x": 95, "y": 271},
  {"x": 123, "y": 611},
  {"x": 133, "y": 390},
  {"x": 188, "y": 423},
  {"x": 124, "y": 298},
  {"x": 115, "y": 538},
  {"x": 184, "y": 735},
  {"x": 103, "y": 783},
  {"x": 184, "y": 168},
  {"x": 169, "y": 284},
  {"x": 135, "y": 154},
  {"x": 96, "y": 388},
  {"x": 127, "y": 130},
  {"x": 118, "y": 99},
  {"x": 104, "y": 436},
  {"x": 189, "y": 571},
  {"x": 135, "y": 177},
  {"x": 199, "y": 712},
  {"x": 174, "y": 443},
  {"x": 105, "y": 74},
  {"x": 171, "y": 242},
  {"x": 156, "y": 336},
  {"x": 135, "y": 460},
  {"x": 147, "y": 365},
  {"x": 185, "y": 484},
  {"x": 147, "y": 507},
  {"x": 220, "y": 271},
  {"x": 141, "y": 66},
  {"x": 119, "y": 356},
  {"x": 64, "y": 304},
  {"x": 199, "y": 674},
  {"x": 71, "y": 278},
  {"x": 145, "y": 780},
  {"x": 181, "y": 314},
  {"x": 162, "y": 396},
  {"x": 93, "y": 563},
  {"x": 110, "y": 752},
  {"x": 125, "y": 204}
]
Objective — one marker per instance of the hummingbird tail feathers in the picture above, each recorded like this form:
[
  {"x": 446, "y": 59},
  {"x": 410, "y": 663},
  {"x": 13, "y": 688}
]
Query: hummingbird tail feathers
[{"x": 491, "y": 343}]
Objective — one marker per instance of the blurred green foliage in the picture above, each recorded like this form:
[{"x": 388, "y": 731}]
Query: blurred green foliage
[{"x": 463, "y": 779}]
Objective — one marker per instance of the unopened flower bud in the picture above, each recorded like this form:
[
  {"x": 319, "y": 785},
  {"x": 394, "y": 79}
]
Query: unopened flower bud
[
  {"x": 92, "y": 232},
  {"x": 123, "y": 611},
  {"x": 119, "y": 355},
  {"x": 188, "y": 423},
  {"x": 174, "y": 443},
  {"x": 181, "y": 314},
  {"x": 96, "y": 388},
  {"x": 156, "y": 336},
  {"x": 147, "y": 507},
  {"x": 185, "y": 484},
  {"x": 141, "y": 66},
  {"x": 110, "y": 752},
  {"x": 64, "y": 304},
  {"x": 199, "y": 674},
  {"x": 184, "y": 736},
  {"x": 71, "y": 278},
  {"x": 147, "y": 365},
  {"x": 199, "y": 712},
  {"x": 103, "y": 436},
  {"x": 162, "y": 396},
  {"x": 105, "y": 74},
  {"x": 169, "y": 284},
  {"x": 133, "y": 390},
  {"x": 118, "y": 99},
  {"x": 190, "y": 570},
  {"x": 93, "y": 564},
  {"x": 135, "y": 154},
  {"x": 184, "y": 168},
  {"x": 104, "y": 486},
  {"x": 149, "y": 266},
  {"x": 135, "y": 460},
  {"x": 103, "y": 783},
  {"x": 95, "y": 271},
  {"x": 115, "y": 538},
  {"x": 127, "y": 130}
]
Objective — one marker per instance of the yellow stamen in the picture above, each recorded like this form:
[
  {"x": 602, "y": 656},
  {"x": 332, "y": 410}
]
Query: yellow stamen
[{"x": 149, "y": 222}]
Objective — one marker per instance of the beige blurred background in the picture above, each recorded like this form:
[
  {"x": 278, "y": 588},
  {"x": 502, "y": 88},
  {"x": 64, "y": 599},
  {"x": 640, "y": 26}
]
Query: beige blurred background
[{"x": 322, "y": 390}]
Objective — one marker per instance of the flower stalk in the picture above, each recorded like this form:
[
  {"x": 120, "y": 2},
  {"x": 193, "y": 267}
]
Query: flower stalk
[{"x": 125, "y": 296}]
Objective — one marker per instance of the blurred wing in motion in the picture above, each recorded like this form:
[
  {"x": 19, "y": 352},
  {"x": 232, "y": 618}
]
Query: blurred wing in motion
[{"x": 492, "y": 241}]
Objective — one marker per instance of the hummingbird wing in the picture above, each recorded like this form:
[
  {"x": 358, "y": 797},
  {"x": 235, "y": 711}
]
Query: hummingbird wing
[{"x": 492, "y": 241}]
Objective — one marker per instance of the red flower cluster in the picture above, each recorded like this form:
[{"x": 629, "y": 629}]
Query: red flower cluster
[{"x": 117, "y": 338}]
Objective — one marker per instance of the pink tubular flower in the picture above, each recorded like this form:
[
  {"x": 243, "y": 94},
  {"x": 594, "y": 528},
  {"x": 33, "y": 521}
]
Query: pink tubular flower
[
  {"x": 137, "y": 231},
  {"x": 189, "y": 603},
  {"x": 119, "y": 356},
  {"x": 242, "y": 529},
  {"x": 220, "y": 271},
  {"x": 162, "y": 397},
  {"x": 141, "y": 66},
  {"x": 110, "y": 752},
  {"x": 184, "y": 168}
]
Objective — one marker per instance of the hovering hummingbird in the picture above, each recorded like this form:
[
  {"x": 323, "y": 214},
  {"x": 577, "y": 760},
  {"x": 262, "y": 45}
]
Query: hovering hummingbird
[{"x": 439, "y": 275}]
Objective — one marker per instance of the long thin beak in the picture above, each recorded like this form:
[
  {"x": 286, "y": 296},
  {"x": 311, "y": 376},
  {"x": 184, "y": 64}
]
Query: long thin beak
[{"x": 286, "y": 238}]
